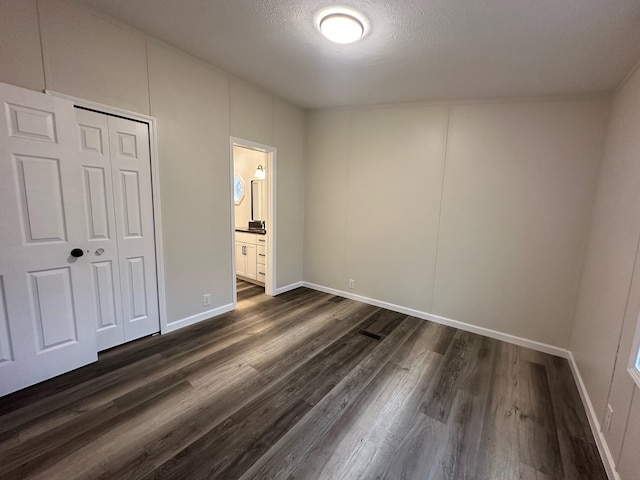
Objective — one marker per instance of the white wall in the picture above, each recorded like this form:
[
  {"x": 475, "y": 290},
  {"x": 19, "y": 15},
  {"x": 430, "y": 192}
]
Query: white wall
[
  {"x": 516, "y": 204},
  {"x": 21, "y": 53},
  {"x": 609, "y": 300},
  {"x": 373, "y": 191},
  {"x": 474, "y": 212},
  {"x": 326, "y": 196},
  {"x": 197, "y": 108},
  {"x": 289, "y": 136},
  {"x": 190, "y": 102},
  {"x": 93, "y": 59},
  {"x": 251, "y": 113}
]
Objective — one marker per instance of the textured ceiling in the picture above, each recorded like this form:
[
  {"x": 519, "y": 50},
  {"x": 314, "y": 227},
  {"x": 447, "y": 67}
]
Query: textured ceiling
[{"x": 416, "y": 50}]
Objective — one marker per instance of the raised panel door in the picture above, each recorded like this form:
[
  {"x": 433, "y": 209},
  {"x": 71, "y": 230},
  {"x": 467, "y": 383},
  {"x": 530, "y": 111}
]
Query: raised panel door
[
  {"x": 92, "y": 132},
  {"x": 133, "y": 209},
  {"x": 45, "y": 298}
]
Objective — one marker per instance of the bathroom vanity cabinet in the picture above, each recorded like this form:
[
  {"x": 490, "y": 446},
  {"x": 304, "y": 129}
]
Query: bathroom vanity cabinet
[{"x": 251, "y": 256}]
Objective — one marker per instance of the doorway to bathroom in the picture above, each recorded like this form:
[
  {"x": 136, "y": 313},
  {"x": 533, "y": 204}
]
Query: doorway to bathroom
[{"x": 253, "y": 215}]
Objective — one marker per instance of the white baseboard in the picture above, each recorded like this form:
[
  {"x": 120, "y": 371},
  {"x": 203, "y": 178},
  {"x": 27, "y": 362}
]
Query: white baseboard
[
  {"x": 487, "y": 332},
  {"x": 184, "y": 322},
  {"x": 601, "y": 442},
  {"x": 287, "y": 288}
]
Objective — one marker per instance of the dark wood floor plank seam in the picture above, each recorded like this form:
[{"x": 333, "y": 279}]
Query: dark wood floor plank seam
[
  {"x": 277, "y": 334},
  {"x": 499, "y": 459},
  {"x": 579, "y": 454},
  {"x": 138, "y": 373},
  {"x": 263, "y": 383},
  {"x": 286, "y": 388},
  {"x": 63, "y": 402},
  {"x": 98, "y": 419},
  {"x": 539, "y": 446},
  {"x": 253, "y": 333},
  {"x": 109, "y": 361},
  {"x": 46, "y": 459},
  {"x": 143, "y": 348},
  {"x": 277, "y": 462},
  {"x": 248, "y": 323},
  {"x": 444, "y": 385},
  {"x": 305, "y": 347},
  {"x": 381, "y": 413},
  {"x": 261, "y": 417}
]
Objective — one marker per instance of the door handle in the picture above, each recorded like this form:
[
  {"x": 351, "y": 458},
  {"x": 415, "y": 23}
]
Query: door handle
[{"x": 77, "y": 252}]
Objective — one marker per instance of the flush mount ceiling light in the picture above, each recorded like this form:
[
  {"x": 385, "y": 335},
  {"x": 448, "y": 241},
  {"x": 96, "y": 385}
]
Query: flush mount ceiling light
[{"x": 342, "y": 27}]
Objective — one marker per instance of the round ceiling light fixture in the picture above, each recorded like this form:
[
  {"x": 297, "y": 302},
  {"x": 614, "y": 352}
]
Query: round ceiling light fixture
[{"x": 342, "y": 27}]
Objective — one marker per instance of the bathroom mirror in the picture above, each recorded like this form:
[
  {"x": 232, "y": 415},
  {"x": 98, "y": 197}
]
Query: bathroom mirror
[{"x": 256, "y": 200}]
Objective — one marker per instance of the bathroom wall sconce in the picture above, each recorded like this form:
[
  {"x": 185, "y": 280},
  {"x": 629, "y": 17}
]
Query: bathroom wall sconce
[{"x": 260, "y": 173}]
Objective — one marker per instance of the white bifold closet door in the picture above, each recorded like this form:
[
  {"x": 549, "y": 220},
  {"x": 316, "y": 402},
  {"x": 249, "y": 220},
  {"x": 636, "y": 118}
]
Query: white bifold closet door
[
  {"x": 77, "y": 246},
  {"x": 46, "y": 303},
  {"x": 116, "y": 189}
]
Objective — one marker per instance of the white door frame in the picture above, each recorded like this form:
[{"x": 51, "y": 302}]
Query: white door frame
[
  {"x": 270, "y": 167},
  {"x": 155, "y": 187}
]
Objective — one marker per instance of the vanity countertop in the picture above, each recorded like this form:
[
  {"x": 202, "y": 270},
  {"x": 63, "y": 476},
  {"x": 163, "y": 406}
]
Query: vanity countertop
[{"x": 257, "y": 231}]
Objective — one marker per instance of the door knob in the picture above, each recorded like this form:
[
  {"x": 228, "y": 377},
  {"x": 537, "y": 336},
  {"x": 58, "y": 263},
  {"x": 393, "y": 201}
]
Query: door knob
[{"x": 77, "y": 252}]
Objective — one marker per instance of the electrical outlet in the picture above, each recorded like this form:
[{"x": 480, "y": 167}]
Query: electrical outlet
[
  {"x": 206, "y": 300},
  {"x": 607, "y": 418},
  {"x": 352, "y": 283}
]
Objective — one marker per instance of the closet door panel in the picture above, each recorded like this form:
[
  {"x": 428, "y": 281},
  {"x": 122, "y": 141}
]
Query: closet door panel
[
  {"x": 46, "y": 313},
  {"x": 100, "y": 227},
  {"x": 131, "y": 170}
]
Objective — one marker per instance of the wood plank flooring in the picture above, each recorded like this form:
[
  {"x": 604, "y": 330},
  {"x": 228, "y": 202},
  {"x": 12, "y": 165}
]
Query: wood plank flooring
[{"x": 305, "y": 385}]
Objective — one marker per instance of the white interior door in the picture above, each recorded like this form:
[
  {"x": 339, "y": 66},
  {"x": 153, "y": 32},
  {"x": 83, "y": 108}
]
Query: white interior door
[
  {"x": 46, "y": 312},
  {"x": 118, "y": 199},
  {"x": 131, "y": 170},
  {"x": 97, "y": 185}
]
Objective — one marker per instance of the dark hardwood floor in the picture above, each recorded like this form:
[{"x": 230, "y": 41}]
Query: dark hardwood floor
[{"x": 303, "y": 386}]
